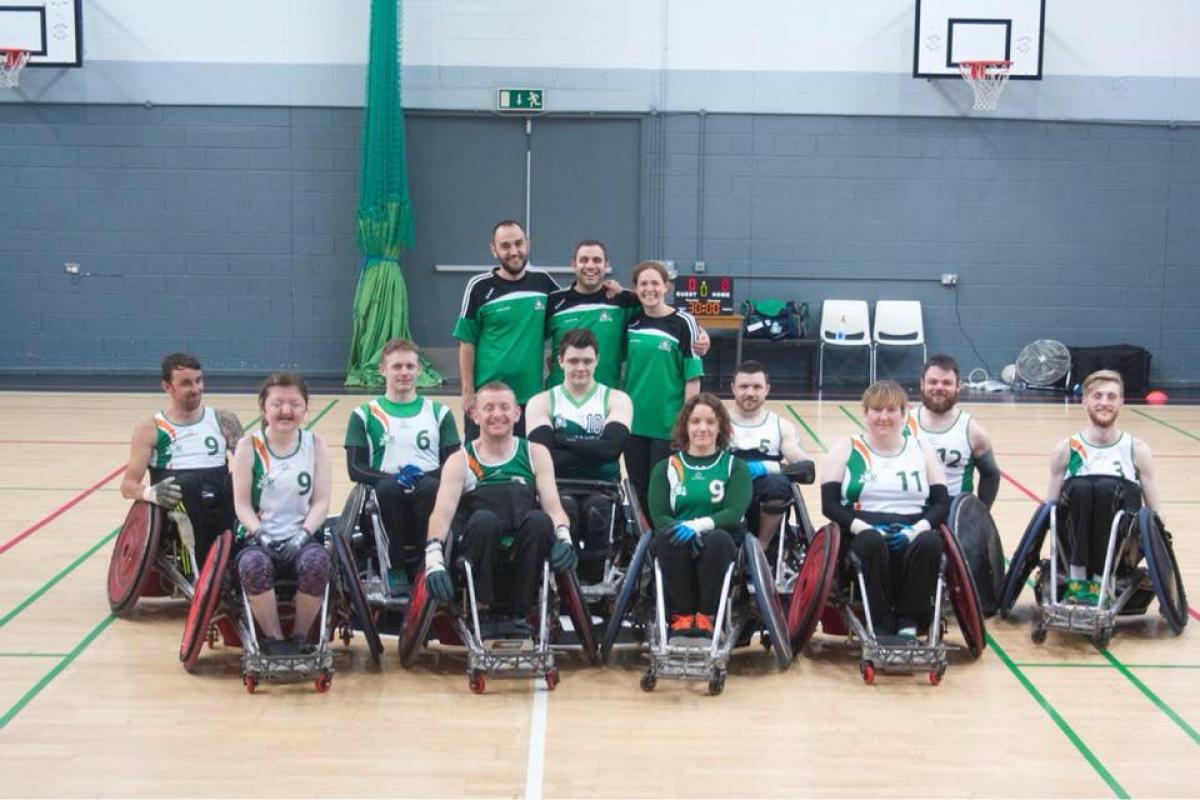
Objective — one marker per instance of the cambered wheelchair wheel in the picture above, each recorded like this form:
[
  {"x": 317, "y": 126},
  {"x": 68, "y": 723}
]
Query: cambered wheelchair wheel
[
  {"x": 133, "y": 556},
  {"x": 963, "y": 595},
  {"x": 625, "y": 597},
  {"x": 351, "y": 589},
  {"x": 205, "y": 600},
  {"x": 572, "y": 600},
  {"x": 1025, "y": 559},
  {"x": 770, "y": 610},
  {"x": 813, "y": 585},
  {"x": 1163, "y": 570},
  {"x": 979, "y": 540},
  {"x": 418, "y": 619}
]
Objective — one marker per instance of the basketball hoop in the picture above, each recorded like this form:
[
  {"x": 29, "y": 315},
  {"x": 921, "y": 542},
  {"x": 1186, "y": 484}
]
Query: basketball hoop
[
  {"x": 987, "y": 78},
  {"x": 10, "y": 68}
]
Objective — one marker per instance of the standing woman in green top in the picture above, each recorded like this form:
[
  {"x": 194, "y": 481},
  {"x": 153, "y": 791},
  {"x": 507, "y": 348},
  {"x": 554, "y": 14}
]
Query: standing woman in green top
[
  {"x": 662, "y": 370},
  {"x": 698, "y": 501}
]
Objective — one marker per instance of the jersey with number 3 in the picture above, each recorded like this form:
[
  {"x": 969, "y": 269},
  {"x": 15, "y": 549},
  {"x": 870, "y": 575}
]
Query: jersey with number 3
[
  {"x": 953, "y": 448},
  {"x": 198, "y": 445},
  {"x": 399, "y": 434},
  {"x": 1114, "y": 459},
  {"x": 895, "y": 484},
  {"x": 698, "y": 490},
  {"x": 281, "y": 488}
]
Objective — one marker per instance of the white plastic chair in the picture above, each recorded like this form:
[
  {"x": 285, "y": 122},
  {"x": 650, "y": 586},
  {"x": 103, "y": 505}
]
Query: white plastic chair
[
  {"x": 844, "y": 323},
  {"x": 898, "y": 323}
]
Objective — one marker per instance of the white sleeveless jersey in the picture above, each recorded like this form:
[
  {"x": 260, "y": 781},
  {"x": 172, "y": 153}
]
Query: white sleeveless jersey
[
  {"x": 200, "y": 445},
  {"x": 282, "y": 485},
  {"x": 886, "y": 484},
  {"x": 579, "y": 418},
  {"x": 761, "y": 441},
  {"x": 395, "y": 440},
  {"x": 953, "y": 448},
  {"x": 1114, "y": 459}
]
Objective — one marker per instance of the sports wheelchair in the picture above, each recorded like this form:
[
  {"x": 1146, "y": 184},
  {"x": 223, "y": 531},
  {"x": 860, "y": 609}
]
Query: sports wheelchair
[
  {"x": 1126, "y": 587},
  {"x": 497, "y": 652},
  {"x": 832, "y": 593},
  {"x": 151, "y": 558},
  {"x": 221, "y": 608}
]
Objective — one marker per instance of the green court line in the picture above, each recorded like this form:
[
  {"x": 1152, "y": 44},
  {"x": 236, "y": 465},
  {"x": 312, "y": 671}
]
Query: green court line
[
  {"x": 54, "y": 671},
  {"x": 850, "y": 414},
  {"x": 324, "y": 411},
  {"x": 32, "y": 655},
  {"x": 1152, "y": 697},
  {"x": 1067, "y": 730},
  {"x": 1163, "y": 422},
  {"x": 48, "y": 585},
  {"x": 1073, "y": 665},
  {"x": 811, "y": 432}
]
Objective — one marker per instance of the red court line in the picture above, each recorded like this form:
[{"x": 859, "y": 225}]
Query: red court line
[
  {"x": 58, "y": 441},
  {"x": 1191, "y": 611},
  {"x": 67, "y": 506}
]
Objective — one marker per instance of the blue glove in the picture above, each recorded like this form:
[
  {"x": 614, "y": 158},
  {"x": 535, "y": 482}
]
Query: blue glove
[
  {"x": 757, "y": 469},
  {"x": 681, "y": 533},
  {"x": 897, "y": 535},
  {"x": 563, "y": 557},
  {"x": 409, "y": 476},
  {"x": 437, "y": 579}
]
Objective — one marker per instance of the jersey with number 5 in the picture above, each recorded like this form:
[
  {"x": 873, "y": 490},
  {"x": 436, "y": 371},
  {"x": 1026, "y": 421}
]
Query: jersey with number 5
[
  {"x": 281, "y": 488},
  {"x": 198, "y": 445},
  {"x": 698, "y": 490},
  {"x": 1114, "y": 459},
  {"x": 895, "y": 484}
]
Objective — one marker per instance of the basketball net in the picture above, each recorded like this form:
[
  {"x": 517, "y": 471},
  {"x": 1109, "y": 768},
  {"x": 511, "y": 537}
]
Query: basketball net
[
  {"x": 987, "y": 78},
  {"x": 10, "y": 68}
]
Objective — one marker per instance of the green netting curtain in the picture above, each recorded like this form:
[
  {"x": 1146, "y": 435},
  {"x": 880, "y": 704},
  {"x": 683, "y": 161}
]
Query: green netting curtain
[{"x": 384, "y": 212}]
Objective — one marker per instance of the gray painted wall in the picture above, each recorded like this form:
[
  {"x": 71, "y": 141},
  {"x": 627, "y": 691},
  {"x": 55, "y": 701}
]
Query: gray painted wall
[{"x": 229, "y": 231}]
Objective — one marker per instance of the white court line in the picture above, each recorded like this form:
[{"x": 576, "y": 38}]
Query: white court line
[{"x": 537, "y": 741}]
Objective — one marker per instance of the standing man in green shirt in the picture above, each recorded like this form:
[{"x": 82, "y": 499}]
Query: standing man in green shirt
[{"x": 501, "y": 327}]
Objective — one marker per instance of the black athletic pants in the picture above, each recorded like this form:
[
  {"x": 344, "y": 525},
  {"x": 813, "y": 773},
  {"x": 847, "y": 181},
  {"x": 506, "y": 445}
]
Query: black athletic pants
[
  {"x": 405, "y": 516},
  {"x": 641, "y": 455},
  {"x": 693, "y": 581},
  {"x": 900, "y": 584},
  {"x": 208, "y": 499},
  {"x": 522, "y": 560},
  {"x": 1091, "y": 504}
]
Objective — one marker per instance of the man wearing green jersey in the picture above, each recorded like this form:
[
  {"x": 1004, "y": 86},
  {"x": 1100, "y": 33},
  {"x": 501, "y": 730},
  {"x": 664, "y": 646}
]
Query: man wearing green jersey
[
  {"x": 397, "y": 444},
  {"x": 501, "y": 326}
]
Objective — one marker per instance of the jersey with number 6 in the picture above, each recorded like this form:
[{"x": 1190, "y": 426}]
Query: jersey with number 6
[
  {"x": 198, "y": 445},
  {"x": 698, "y": 490},
  {"x": 399, "y": 434},
  {"x": 953, "y": 448},
  {"x": 1114, "y": 459},
  {"x": 896, "y": 484},
  {"x": 281, "y": 488}
]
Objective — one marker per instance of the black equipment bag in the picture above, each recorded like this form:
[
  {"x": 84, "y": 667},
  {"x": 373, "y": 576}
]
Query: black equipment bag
[{"x": 1131, "y": 361}]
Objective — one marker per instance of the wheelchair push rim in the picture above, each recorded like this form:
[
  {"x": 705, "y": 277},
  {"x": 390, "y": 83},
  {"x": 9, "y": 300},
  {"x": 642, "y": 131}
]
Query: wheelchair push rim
[
  {"x": 204, "y": 601},
  {"x": 1163, "y": 570},
  {"x": 352, "y": 590},
  {"x": 813, "y": 585},
  {"x": 133, "y": 556},
  {"x": 770, "y": 610},
  {"x": 572, "y": 598},
  {"x": 964, "y": 597},
  {"x": 418, "y": 619},
  {"x": 1026, "y": 558},
  {"x": 629, "y": 587}
]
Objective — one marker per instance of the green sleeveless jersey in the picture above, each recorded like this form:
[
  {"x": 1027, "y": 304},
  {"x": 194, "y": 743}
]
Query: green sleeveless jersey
[
  {"x": 698, "y": 490},
  {"x": 517, "y": 468},
  {"x": 583, "y": 419}
]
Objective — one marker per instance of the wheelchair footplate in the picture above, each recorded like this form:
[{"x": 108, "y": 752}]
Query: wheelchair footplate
[
  {"x": 692, "y": 659},
  {"x": 291, "y": 668}
]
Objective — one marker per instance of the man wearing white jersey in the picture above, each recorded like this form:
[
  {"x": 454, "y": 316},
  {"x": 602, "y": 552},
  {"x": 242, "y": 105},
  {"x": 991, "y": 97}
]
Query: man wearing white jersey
[
  {"x": 184, "y": 447},
  {"x": 961, "y": 443},
  {"x": 1100, "y": 450},
  {"x": 767, "y": 443}
]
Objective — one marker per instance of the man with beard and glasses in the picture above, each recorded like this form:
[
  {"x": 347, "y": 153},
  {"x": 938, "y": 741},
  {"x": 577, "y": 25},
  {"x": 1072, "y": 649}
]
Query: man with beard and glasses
[
  {"x": 1101, "y": 450},
  {"x": 961, "y": 443},
  {"x": 767, "y": 443},
  {"x": 501, "y": 327},
  {"x": 184, "y": 447}
]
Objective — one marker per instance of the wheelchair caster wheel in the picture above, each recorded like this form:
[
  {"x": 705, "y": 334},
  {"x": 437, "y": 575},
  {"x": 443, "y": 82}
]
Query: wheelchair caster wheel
[
  {"x": 552, "y": 679},
  {"x": 868, "y": 671},
  {"x": 477, "y": 682},
  {"x": 1103, "y": 639},
  {"x": 648, "y": 681},
  {"x": 250, "y": 682},
  {"x": 347, "y": 635},
  {"x": 323, "y": 683},
  {"x": 716, "y": 684},
  {"x": 935, "y": 676},
  {"x": 765, "y": 640}
]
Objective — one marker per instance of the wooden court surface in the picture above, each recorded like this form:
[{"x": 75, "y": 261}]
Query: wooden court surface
[{"x": 93, "y": 706}]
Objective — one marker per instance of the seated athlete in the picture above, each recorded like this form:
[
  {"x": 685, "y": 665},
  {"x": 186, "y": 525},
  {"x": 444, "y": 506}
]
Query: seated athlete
[
  {"x": 766, "y": 442},
  {"x": 961, "y": 443},
  {"x": 698, "y": 497},
  {"x": 281, "y": 478},
  {"x": 887, "y": 493},
  {"x": 584, "y": 425},
  {"x": 1101, "y": 449},
  {"x": 184, "y": 446},
  {"x": 490, "y": 491},
  {"x": 397, "y": 444}
]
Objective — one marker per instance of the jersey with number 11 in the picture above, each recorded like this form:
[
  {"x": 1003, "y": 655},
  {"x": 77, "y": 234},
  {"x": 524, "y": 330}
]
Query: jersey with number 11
[{"x": 895, "y": 484}]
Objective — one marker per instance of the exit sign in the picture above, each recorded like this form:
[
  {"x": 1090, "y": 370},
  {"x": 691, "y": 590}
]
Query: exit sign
[{"x": 521, "y": 99}]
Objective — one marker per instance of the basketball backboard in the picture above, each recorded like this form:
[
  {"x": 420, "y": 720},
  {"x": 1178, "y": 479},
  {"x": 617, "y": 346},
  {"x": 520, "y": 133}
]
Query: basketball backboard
[
  {"x": 949, "y": 32},
  {"x": 51, "y": 30}
]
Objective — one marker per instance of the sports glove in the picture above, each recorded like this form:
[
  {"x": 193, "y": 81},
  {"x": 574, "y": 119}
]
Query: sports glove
[
  {"x": 409, "y": 476},
  {"x": 757, "y": 469},
  {"x": 681, "y": 533},
  {"x": 437, "y": 579},
  {"x": 165, "y": 493},
  {"x": 562, "y": 553},
  {"x": 897, "y": 535}
]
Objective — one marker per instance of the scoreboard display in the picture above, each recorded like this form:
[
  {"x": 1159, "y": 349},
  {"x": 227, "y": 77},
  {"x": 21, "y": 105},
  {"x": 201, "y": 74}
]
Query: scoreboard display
[{"x": 704, "y": 295}]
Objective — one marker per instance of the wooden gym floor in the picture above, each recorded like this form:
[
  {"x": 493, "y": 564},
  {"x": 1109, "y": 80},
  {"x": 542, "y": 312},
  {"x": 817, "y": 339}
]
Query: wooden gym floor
[{"x": 92, "y": 706}]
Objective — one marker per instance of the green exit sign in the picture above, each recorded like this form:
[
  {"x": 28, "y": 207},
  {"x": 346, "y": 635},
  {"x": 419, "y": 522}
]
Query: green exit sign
[{"x": 521, "y": 99}]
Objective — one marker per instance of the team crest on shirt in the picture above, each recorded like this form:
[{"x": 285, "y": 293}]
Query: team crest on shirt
[
  {"x": 538, "y": 305},
  {"x": 664, "y": 345},
  {"x": 605, "y": 316}
]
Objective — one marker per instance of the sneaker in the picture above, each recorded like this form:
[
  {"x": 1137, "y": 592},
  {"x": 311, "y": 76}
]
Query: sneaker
[
  {"x": 682, "y": 624},
  {"x": 1075, "y": 592},
  {"x": 1091, "y": 594},
  {"x": 703, "y": 625},
  {"x": 908, "y": 633}
]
